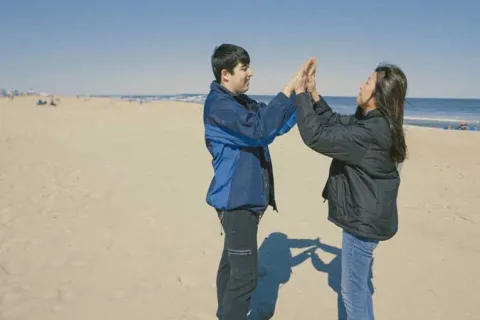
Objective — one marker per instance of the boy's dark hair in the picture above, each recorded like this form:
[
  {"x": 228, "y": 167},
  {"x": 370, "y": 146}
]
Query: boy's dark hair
[{"x": 227, "y": 56}]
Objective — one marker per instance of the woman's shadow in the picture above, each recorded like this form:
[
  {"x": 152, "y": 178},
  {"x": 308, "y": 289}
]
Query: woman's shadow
[{"x": 275, "y": 267}]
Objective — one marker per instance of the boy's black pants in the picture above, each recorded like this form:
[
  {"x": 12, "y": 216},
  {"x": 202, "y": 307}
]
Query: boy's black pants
[{"x": 238, "y": 268}]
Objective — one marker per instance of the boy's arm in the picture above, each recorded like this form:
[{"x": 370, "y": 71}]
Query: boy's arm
[
  {"x": 302, "y": 256},
  {"x": 230, "y": 123},
  {"x": 291, "y": 122}
]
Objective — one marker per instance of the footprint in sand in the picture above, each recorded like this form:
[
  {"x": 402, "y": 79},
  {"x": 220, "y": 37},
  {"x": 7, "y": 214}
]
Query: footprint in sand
[
  {"x": 147, "y": 285},
  {"x": 57, "y": 263},
  {"x": 119, "y": 294},
  {"x": 9, "y": 298},
  {"x": 187, "y": 280},
  {"x": 32, "y": 244},
  {"x": 5, "y": 218},
  {"x": 63, "y": 296},
  {"x": 66, "y": 295},
  {"x": 12, "y": 268},
  {"x": 78, "y": 264},
  {"x": 50, "y": 294},
  {"x": 12, "y": 313},
  {"x": 57, "y": 308}
]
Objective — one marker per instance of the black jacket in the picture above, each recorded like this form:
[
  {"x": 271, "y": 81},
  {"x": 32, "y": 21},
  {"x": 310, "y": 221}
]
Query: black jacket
[{"x": 363, "y": 181}]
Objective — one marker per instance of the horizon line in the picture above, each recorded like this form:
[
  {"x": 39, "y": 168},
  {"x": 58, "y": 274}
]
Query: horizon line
[{"x": 255, "y": 94}]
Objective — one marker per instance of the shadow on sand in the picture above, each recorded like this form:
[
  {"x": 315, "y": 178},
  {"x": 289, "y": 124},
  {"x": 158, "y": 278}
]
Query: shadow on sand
[{"x": 275, "y": 267}]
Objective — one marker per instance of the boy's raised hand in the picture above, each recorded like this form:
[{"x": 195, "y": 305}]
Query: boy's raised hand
[{"x": 298, "y": 79}]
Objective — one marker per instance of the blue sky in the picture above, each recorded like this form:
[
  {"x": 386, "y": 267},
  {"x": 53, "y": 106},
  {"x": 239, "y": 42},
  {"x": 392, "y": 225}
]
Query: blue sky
[{"x": 147, "y": 47}]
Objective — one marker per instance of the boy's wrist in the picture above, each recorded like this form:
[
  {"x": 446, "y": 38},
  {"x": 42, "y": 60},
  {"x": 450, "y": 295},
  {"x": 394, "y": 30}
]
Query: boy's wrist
[{"x": 287, "y": 91}]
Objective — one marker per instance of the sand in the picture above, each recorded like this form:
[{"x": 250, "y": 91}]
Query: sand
[{"x": 103, "y": 216}]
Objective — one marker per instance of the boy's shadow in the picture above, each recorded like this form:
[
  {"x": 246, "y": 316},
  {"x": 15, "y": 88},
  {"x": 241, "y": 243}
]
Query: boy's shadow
[{"x": 275, "y": 266}]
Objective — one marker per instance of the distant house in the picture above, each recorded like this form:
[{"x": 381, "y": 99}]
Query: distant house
[{"x": 32, "y": 92}]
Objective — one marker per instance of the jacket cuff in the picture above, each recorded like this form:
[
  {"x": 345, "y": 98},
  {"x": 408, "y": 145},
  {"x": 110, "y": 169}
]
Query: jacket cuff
[
  {"x": 305, "y": 95},
  {"x": 282, "y": 97},
  {"x": 321, "y": 105}
]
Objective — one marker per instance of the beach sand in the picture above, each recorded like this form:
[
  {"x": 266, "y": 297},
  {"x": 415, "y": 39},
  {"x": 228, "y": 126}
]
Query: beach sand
[{"x": 103, "y": 216}]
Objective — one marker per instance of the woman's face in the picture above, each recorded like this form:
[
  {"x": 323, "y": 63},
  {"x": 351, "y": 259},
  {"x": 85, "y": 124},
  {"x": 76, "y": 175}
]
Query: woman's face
[{"x": 365, "y": 98}]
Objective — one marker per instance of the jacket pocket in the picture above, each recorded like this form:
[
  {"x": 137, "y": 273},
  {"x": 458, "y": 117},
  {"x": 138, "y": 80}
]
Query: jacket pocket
[
  {"x": 246, "y": 252},
  {"x": 332, "y": 186},
  {"x": 338, "y": 193},
  {"x": 387, "y": 192},
  {"x": 344, "y": 197}
]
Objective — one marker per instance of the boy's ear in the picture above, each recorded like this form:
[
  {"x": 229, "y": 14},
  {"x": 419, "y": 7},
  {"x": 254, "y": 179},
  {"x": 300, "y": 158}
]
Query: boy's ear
[{"x": 225, "y": 74}]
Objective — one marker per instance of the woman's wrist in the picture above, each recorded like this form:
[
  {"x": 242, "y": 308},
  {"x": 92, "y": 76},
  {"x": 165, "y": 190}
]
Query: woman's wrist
[{"x": 315, "y": 96}]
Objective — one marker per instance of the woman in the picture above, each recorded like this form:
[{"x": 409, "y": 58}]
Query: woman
[{"x": 363, "y": 180}]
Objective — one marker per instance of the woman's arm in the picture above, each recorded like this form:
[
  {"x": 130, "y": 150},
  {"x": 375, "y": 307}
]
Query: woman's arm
[{"x": 345, "y": 142}]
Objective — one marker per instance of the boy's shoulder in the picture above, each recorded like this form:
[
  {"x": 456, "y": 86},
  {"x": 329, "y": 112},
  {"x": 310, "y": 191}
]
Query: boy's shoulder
[{"x": 216, "y": 98}]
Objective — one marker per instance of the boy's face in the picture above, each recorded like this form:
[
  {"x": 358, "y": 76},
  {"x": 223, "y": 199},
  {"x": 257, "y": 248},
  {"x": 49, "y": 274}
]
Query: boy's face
[{"x": 239, "y": 81}]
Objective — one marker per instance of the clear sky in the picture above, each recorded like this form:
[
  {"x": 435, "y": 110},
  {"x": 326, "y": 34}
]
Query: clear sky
[{"x": 164, "y": 47}]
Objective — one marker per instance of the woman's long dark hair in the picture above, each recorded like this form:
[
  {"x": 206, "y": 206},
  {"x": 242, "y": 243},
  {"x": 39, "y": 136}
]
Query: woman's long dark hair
[{"x": 390, "y": 93}]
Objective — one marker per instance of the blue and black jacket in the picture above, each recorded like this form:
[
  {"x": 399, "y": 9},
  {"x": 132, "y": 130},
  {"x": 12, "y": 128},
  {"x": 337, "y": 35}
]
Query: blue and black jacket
[{"x": 238, "y": 131}]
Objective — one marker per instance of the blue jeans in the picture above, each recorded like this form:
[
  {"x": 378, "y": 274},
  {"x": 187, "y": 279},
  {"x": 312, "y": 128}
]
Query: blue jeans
[{"x": 357, "y": 258}]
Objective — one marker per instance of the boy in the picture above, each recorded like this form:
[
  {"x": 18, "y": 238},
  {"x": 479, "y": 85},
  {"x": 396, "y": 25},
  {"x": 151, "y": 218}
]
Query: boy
[{"x": 238, "y": 131}]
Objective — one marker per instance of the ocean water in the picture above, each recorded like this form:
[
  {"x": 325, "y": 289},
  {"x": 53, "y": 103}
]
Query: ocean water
[{"x": 437, "y": 113}]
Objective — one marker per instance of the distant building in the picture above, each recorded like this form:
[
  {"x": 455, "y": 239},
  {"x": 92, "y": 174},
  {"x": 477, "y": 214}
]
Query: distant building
[{"x": 32, "y": 92}]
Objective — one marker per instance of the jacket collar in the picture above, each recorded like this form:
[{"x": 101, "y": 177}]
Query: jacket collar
[
  {"x": 240, "y": 98},
  {"x": 217, "y": 87},
  {"x": 360, "y": 114}
]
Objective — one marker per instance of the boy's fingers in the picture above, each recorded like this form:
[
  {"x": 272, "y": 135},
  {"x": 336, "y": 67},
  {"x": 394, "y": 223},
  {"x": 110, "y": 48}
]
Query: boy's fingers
[
  {"x": 306, "y": 65},
  {"x": 313, "y": 67}
]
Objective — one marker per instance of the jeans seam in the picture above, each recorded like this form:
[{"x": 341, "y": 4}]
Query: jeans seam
[{"x": 350, "y": 259}]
